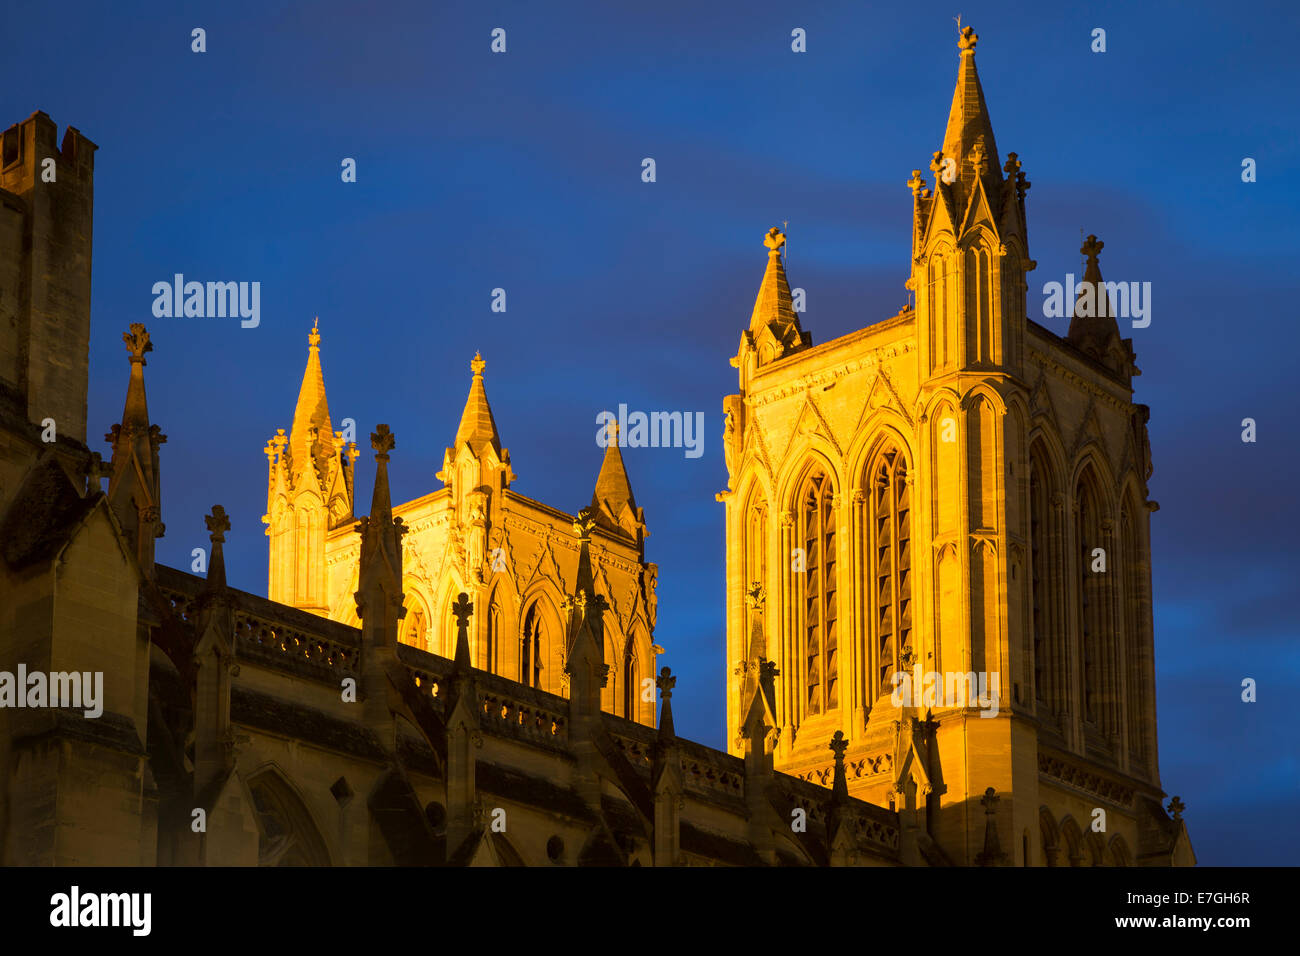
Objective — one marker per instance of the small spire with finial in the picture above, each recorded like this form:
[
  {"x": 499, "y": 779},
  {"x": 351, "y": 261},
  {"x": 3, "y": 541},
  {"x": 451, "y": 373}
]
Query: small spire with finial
[
  {"x": 462, "y": 610},
  {"x": 666, "y": 682},
  {"x": 218, "y": 524},
  {"x": 477, "y": 365},
  {"x": 840, "y": 785}
]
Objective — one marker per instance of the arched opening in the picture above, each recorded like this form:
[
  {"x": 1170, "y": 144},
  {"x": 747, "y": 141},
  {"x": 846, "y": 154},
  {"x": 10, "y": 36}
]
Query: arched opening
[
  {"x": 1044, "y": 561},
  {"x": 1092, "y": 609},
  {"x": 286, "y": 834},
  {"x": 492, "y": 648},
  {"x": 1137, "y": 639},
  {"x": 631, "y": 683},
  {"x": 532, "y": 646},
  {"x": 887, "y": 559},
  {"x": 415, "y": 626},
  {"x": 817, "y": 589}
]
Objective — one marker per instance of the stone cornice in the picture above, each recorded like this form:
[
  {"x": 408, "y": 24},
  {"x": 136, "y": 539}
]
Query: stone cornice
[
  {"x": 1064, "y": 373},
  {"x": 1071, "y": 773},
  {"x": 797, "y": 386}
]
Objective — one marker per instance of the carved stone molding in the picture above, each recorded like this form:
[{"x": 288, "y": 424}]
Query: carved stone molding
[{"x": 1080, "y": 778}]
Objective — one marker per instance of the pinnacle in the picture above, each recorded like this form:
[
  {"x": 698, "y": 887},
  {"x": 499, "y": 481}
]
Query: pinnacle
[
  {"x": 477, "y": 426},
  {"x": 312, "y": 410},
  {"x": 968, "y": 139}
]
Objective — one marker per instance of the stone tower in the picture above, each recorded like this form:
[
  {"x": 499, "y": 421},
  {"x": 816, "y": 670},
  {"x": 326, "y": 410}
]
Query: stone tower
[
  {"x": 46, "y": 200},
  {"x": 514, "y": 558},
  {"x": 937, "y": 535}
]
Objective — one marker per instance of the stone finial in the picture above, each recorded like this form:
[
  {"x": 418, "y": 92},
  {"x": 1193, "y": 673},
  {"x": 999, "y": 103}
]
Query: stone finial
[
  {"x": 137, "y": 342},
  {"x": 313, "y": 337},
  {"x": 583, "y": 524},
  {"x": 774, "y": 240},
  {"x": 1176, "y": 807},
  {"x": 462, "y": 609},
  {"x": 968, "y": 40},
  {"x": 1012, "y": 165},
  {"x": 838, "y": 746},
  {"x": 1092, "y": 248},
  {"x": 916, "y": 183},
  {"x": 382, "y": 441},
  {"x": 978, "y": 156},
  {"x": 756, "y": 596},
  {"x": 990, "y": 801},
  {"x": 218, "y": 524},
  {"x": 936, "y": 163},
  {"x": 477, "y": 365},
  {"x": 666, "y": 682}
]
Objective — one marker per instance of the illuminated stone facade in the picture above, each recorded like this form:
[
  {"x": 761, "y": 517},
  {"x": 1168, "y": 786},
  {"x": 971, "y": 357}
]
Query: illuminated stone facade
[
  {"x": 469, "y": 678},
  {"x": 955, "y": 490}
]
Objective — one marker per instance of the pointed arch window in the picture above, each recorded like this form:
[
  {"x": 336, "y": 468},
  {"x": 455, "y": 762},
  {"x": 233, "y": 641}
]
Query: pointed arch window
[
  {"x": 1090, "y": 613},
  {"x": 756, "y": 542},
  {"x": 1136, "y": 639},
  {"x": 415, "y": 626},
  {"x": 1044, "y": 602},
  {"x": 530, "y": 648},
  {"x": 816, "y": 534},
  {"x": 630, "y": 682},
  {"x": 889, "y": 499},
  {"x": 493, "y": 636}
]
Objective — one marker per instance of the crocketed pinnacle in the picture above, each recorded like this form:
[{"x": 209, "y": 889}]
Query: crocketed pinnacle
[
  {"x": 1093, "y": 327},
  {"x": 477, "y": 427},
  {"x": 968, "y": 119},
  {"x": 613, "y": 489},
  {"x": 312, "y": 411},
  {"x": 774, "y": 308}
]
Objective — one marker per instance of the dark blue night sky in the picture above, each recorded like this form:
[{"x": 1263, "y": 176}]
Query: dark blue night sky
[{"x": 523, "y": 171}]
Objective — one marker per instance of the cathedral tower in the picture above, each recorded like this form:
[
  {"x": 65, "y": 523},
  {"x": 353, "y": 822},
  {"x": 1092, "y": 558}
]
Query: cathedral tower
[{"x": 938, "y": 542}]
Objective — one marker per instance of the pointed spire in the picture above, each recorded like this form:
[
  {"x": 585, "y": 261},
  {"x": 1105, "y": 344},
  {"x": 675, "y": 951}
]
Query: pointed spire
[
  {"x": 462, "y": 610},
  {"x": 585, "y": 642},
  {"x": 613, "y": 492},
  {"x": 968, "y": 139},
  {"x": 381, "y": 500},
  {"x": 1093, "y": 328},
  {"x": 666, "y": 779},
  {"x": 218, "y": 524},
  {"x": 774, "y": 322},
  {"x": 477, "y": 426},
  {"x": 136, "y": 412},
  {"x": 840, "y": 786},
  {"x": 311, "y": 417},
  {"x": 838, "y": 835},
  {"x": 134, "y": 486},
  {"x": 379, "y": 574},
  {"x": 583, "y": 526},
  {"x": 666, "y": 682}
]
